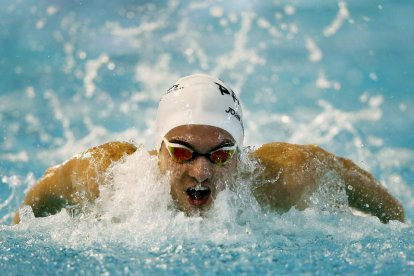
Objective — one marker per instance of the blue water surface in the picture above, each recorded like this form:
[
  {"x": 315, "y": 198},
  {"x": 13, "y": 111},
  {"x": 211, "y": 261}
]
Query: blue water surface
[{"x": 75, "y": 74}]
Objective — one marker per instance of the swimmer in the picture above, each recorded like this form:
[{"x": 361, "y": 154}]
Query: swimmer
[{"x": 199, "y": 141}]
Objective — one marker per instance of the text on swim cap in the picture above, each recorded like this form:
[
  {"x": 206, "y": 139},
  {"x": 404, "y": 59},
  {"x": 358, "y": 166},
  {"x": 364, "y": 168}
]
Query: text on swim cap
[
  {"x": 174, "y": 88},
  {"x": 224, "y": 91},
  {"x": 234, "y": 113}
]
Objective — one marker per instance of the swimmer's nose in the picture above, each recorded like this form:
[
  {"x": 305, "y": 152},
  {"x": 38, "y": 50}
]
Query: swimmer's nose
[{"x": 200, "y": 169}]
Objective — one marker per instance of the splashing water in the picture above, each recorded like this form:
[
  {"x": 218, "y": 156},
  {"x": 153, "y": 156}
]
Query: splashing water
[{"x": 135, "y": 215}]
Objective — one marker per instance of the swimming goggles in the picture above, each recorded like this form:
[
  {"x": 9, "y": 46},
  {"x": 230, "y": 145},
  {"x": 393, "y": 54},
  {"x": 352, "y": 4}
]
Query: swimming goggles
[{"x": 180, "y": 153}]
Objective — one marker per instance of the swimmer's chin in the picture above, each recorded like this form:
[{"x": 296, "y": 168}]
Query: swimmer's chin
[{"x": 195, "y": 211}]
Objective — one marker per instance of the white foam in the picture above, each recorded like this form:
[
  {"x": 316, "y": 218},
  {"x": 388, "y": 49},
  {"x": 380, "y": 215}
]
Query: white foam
[
  {"x": 336, "y": 24},
  {"x": 323, "y": 83},
  {"x": 240, "y": 52},
  {"x": 51, "y": 10},
  {"x": 135, "y": 210},
  {"x": 40, "y": 24},
  {"x": 216, "y": 11},
  {"x": 289, "y": 9},
  {"x": 20, "y": 156},
  {"x": 91, "y": 71},
  {"x": 315, "y": 54},
  {"x": 30, "y": 92}
]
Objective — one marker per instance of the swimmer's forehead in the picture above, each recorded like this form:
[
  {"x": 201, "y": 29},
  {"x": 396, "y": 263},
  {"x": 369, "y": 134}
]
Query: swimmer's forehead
[{"x": 200, "y": 135}]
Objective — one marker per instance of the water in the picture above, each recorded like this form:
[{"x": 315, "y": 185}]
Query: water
[{"x": 80, "y": 73}]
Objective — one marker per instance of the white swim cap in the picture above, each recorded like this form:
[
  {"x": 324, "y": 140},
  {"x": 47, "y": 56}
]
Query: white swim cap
[{"x": 200, "y": 100}]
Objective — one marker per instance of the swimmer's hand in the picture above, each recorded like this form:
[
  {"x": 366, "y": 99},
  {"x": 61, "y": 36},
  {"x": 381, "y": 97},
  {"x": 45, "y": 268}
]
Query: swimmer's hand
[
  {"x": 291, "y": 173},
  {"x": 74, "y": 182}
]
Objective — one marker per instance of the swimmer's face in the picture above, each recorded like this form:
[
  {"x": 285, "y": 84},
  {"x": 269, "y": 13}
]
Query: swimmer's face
[{"x": 209, "y": 178}]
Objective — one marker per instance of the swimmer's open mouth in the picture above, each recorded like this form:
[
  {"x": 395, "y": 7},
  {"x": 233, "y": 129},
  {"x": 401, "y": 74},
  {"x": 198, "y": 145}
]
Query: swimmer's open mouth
[{"x": 198, "y": 195}]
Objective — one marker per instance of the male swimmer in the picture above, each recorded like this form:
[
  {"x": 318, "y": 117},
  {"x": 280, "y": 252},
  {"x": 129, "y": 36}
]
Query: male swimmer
[{"x": 199, "y": 139}]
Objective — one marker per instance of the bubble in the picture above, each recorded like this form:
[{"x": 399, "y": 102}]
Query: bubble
[
  {"x": 289, "y": 9},
  {"x": 373, "y": 76},
  {"x": 40, "y": 24},
  {"x": 263, "y": 23},
  {"x": 216, "y": 11},
  {"x": 82, "y": 55},
  {"x": 376, "y": 101},
  {"x": 285, "y": 119},
  {"x": 30, "y": 92},
  {"x": 111, "y": 66},
  {"x": 51, "y": 10},
  {"x": 189, "y": 52}
]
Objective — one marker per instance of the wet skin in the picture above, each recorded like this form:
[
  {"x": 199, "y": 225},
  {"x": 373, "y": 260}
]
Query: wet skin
[{"x": 199, "y": 171}]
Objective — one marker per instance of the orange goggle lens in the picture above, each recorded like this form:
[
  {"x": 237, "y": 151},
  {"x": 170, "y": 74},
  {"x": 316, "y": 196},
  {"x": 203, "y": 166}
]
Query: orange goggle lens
[{"x": 180, "y": 154}]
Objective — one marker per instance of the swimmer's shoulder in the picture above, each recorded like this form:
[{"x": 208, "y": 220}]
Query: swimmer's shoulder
[
  {"x": 117, "y": 149},
  {"x": 286, "y": 154},
  {"x": 75, "y": 181},
  {"x": 114, "y": 150},
  {"x": 98, "y": 158}
]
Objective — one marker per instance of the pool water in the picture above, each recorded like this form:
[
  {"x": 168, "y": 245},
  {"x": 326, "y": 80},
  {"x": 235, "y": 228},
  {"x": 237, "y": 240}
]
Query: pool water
[{"x": 75, "y": 74}]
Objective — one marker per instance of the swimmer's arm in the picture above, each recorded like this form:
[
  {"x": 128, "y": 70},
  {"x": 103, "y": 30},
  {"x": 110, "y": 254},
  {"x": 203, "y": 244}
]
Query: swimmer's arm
[
  {"x": 366, "y": 194},
  {"x": 75, "y": 181},
  {"x": 292, "y": 173},
  {"x": 286, "y": 176},
  {"x": 363, "y": 190}
]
